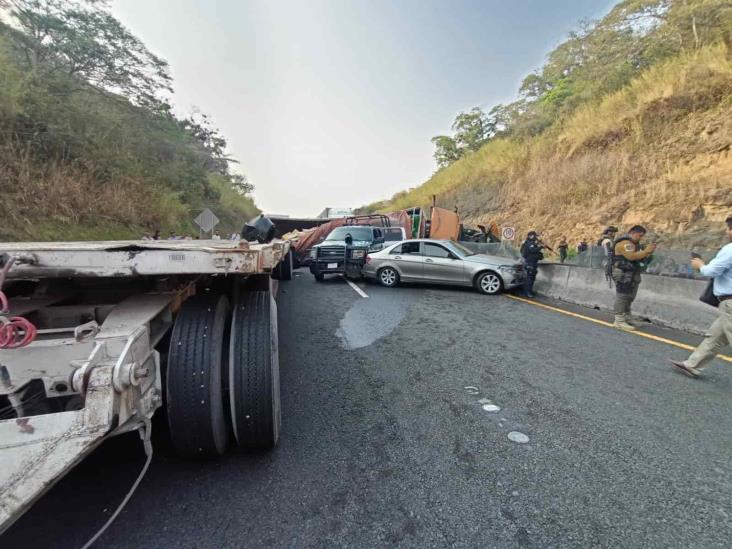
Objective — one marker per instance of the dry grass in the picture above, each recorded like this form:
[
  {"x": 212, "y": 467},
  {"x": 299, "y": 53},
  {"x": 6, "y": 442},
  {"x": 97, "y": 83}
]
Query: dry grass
[
  {"x": 656, "y": 152},
  {"x": 693, "y": 81},
  {"x": 35, "y": 196}
]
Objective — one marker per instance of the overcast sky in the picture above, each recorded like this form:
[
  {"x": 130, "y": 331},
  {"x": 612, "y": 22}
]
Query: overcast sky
[{"x": 334, "y": 102}]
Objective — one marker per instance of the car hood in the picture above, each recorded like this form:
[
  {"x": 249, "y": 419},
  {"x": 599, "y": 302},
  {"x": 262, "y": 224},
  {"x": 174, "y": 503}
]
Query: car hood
[
  {"x": 492, "y": 260},
  {"x": 354, "y": 244}
]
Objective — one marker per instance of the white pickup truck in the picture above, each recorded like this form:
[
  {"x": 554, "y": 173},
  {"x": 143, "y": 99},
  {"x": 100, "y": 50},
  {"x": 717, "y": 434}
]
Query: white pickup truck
[{"x": 120, "y": 329}]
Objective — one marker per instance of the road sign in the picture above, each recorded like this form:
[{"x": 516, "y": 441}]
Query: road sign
[
  {"x": 508, "y": 233},
  {"x": 206, "y": 220}
]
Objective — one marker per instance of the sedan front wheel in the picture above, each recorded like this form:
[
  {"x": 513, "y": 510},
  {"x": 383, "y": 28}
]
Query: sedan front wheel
[
  {"x": 388, "y": 277},
  {"x": 489, "y": 283}
]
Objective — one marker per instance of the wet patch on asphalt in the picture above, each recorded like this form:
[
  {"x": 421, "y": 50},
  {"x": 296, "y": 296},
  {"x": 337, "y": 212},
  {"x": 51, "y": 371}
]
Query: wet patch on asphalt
[{"x": 369, "y": 320}]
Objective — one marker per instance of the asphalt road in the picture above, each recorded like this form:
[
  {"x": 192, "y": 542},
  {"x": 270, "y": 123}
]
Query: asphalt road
[{"x": 386, "y": 440}]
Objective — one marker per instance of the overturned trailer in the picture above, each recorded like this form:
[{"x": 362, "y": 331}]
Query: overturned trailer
[{"x": 112, "y": 331}]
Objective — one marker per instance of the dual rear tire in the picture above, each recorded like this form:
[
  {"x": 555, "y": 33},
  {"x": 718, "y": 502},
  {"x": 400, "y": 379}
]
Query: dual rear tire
[
  {"x": 283, "y": 271},
  {"x": 223, "y": 375}
]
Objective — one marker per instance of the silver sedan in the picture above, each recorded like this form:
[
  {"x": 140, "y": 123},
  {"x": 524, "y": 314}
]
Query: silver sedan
[{"x": 442, "y": 262}]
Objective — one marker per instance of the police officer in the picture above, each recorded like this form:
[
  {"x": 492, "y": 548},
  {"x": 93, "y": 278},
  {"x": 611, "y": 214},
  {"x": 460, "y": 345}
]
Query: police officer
[
  {"x": 629, "y": 259},
  {"x": 607, "y": 239},
  {"x": 606, "y": 242},
  {"x": 563, "y": 248},
  {"x": 531, "y": 252}
]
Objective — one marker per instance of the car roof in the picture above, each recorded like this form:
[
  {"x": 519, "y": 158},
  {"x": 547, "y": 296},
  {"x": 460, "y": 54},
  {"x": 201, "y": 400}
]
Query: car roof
[{"x": 441, "y": 240}]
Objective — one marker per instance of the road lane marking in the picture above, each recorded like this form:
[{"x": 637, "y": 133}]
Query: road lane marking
[
  {"x": 610, "y": 325},
  {"x": 358, "y": 290}
]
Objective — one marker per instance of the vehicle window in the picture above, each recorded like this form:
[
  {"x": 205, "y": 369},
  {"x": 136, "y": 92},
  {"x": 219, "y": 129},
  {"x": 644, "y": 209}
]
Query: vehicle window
[
  {"x": 377, "y": 234},
  {"x": 435, "y": 250},
  {"x": 393, "y": 235},
  {"x": 357, "y": 233},
  {"x": 461, "y": 250},
  {"x": 396, "y": 250},
  {"x": 410, "y": 248}
]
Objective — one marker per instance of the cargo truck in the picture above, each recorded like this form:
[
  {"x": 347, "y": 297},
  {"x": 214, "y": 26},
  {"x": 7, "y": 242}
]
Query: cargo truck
[{"x": 97, "y": 336}]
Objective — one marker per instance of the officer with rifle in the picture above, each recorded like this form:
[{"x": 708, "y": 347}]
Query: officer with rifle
[
  {"x": 629, "y": 259},
  {"x": 531, "y": 252}
]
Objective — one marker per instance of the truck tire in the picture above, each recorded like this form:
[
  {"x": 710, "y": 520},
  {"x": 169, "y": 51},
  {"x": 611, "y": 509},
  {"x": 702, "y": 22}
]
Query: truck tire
[
  {"x": 254, "y": 372},
  {"x": 194, "y": 389},
  {"x": 319, "y": 277},
  {"x": 283, "y": 271},
  {"x": 287, "y": 266}
]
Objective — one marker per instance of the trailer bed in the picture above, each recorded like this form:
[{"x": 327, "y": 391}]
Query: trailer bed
[
  {"x": 103, "y": 315},
  {"x": 131, "y": 258}
]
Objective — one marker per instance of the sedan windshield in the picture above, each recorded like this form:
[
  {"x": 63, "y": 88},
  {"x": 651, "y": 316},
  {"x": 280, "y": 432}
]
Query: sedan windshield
[
  {"x": 461, "y": 250},
  {"x": 357, "y": 233}
]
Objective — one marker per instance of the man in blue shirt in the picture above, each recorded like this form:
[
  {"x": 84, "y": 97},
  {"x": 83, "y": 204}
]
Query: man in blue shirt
[{"x": 720, "y": 332}]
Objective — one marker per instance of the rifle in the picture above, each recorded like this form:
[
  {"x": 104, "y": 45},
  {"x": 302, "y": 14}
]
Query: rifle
[{"x": 545, "y": 246}]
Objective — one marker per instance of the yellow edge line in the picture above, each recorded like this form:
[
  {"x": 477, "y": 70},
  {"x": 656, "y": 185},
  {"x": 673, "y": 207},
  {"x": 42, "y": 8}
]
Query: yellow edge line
[{"x": 610, "y": 325}]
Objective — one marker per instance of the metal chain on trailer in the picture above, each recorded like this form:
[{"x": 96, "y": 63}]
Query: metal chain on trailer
[
  {"x": 145, "y": 431},
  {"x": 15, "y": 331}
]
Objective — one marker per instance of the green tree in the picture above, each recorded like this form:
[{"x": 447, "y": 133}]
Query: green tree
[
  {"x": 446, "y": 150},
  {"x": 472, "y": 129},
  {"x": 80, "y": 38}
]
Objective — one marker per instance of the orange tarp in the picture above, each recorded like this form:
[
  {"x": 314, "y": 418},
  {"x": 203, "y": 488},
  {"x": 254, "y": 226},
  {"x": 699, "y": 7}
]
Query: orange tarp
[
  {"x": 401, "y": 219},
  {"x": 444, "y": 224},
  {"x": 317, "y": 235}
]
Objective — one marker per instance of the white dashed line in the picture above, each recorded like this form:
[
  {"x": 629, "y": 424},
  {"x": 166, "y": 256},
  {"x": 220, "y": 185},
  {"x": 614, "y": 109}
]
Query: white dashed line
[{"x": 356, "y": 289}]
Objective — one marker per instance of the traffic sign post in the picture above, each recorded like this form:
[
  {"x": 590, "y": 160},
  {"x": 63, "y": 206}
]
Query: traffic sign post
[
  {"x": 508, "y": 233},
  {"x": 206, "y": 221}
]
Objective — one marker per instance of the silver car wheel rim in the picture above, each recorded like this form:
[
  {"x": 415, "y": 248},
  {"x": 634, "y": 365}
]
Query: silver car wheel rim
[
  {"x": 490, "y": 284},
  {"x": 388, "y": 277}
]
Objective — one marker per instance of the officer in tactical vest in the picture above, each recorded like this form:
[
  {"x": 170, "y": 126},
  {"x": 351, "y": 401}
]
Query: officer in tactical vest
[
  {"x": 629, "y": 259},
  {"x": 606, "y": 242},
  {"x": 607, "y": 239},
  {"x": 531, "y": 252}
]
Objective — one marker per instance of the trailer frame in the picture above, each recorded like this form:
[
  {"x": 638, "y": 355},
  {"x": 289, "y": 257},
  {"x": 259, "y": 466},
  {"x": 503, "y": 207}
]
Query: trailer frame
[{"x": 105, "y": 313}]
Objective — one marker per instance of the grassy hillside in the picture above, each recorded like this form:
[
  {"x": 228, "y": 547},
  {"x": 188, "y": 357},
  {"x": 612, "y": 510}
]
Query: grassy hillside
[
  {"x": 653, "y": 150},
  {"x": 89, "y": 155}
]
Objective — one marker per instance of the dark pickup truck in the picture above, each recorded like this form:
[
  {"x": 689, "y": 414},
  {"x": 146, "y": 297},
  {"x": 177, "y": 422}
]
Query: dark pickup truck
[{"x": 344, "y": 250}]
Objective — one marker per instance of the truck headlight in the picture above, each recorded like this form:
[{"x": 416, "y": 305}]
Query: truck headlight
[
  {"x": 313, "y": 253},
  {"x": 358, "y": 254}
]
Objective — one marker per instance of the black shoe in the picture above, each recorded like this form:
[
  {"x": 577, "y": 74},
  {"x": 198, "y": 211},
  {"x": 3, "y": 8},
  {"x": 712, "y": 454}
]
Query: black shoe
[{"x": 530, "y": 295}]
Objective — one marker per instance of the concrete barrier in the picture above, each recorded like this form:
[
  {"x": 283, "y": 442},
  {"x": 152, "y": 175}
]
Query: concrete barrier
[{"x": 668, "y": 301}]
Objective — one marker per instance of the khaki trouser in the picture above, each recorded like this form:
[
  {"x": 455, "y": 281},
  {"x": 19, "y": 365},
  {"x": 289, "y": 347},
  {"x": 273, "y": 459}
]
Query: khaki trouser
[
  {"x": 719, "y": 335},
  {"x": 626, "y": 288}
]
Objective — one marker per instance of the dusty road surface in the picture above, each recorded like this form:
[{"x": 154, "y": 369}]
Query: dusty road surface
[{"x": 427, "y": 417}]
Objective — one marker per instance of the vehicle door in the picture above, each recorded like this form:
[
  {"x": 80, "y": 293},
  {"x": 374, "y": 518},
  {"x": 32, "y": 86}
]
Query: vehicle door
[
  {"x": 441, "y": 265},
  {"x": 378, "y": 239},
  {"x": 408, "y": 259}
]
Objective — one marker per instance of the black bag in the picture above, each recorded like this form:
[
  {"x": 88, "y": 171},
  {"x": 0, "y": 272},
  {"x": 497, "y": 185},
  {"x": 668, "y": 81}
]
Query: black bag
[{"x": 708, "y": 296}]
